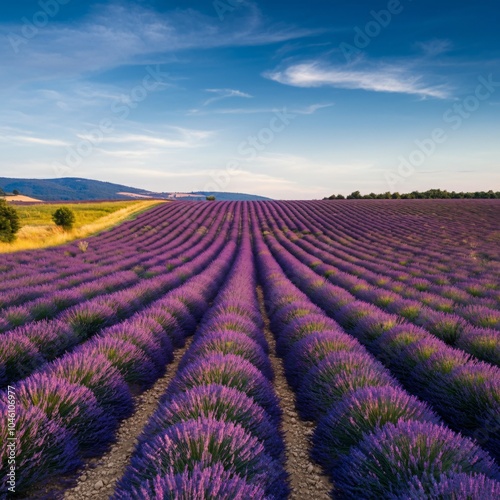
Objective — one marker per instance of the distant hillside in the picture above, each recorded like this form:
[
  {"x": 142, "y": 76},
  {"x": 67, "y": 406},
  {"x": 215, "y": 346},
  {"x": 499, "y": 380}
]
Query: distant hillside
[{"x": 75, "y": 189}]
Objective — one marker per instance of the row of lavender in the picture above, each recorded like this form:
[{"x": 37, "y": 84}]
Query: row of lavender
[
  {"x": 465, "y": 392},
  {"x": 416, "y": 230},
  {"x": 465, "y": 283},
  {"x": 374, "y": 439},
  {"x": 118, "y": 266},
  {"x": 215, "y": 433},
  {"x": 467, "y": 280},
  {"x": 33, "y": 268},
  {"x": 27, "y": 348},
  {"x": 468, "y": 268},
  {"x": 70, "y": 408},
  {"x": 454, "y": 329}
]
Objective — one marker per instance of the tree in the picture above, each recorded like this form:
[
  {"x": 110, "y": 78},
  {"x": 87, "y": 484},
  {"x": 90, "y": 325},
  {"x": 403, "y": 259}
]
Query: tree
[
  {"x": 356, "y": 195},
  {"x": 211, "y": 198},
  {"x": 15, "y": 192},
  {"x": 9, "y": 222},
  {"x": 64, "y": 217}
]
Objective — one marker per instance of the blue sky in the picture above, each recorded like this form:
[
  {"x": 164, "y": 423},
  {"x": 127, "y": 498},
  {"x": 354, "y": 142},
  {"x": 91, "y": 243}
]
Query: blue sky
[{"x": 286, "y": 99}]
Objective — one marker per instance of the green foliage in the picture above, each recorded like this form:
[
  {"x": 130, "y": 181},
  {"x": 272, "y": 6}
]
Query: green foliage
[
  {"x": 64, "y": 217},
  {"x": 15, "y": 192},
  {"x": 431, "y": 194},
  {"x": 211, "y": 198},
  {"x": 9, "y": 222}
]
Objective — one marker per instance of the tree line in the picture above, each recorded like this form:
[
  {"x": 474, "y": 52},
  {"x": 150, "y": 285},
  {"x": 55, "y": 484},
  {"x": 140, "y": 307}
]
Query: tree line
[{"x": 431, "y": 194}]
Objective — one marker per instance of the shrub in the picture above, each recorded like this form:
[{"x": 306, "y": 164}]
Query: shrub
[
  {"x": 202, "y": 482},
  {"x": 364, "y": 412},
  {"x": 9, "y": 222},
  {"x": 337, "y": 375},
  {"x": 98, "y": 374},
  {"x": 131, "y": 361},
  {"x": 220, "y": 403},
  {"x": 470, "y": 486},
  {"x": 43, "y": 448},
  {"x": 205, "y": 443},
  {"x": 230, "y": 342},
  {"x": 231, "y": 371},
  {"x": 311, "y": 350},
  {"x": 19, "y": 357},
  {"x": 72, "y": 406},
  {"x": 64, "y": 217},
  {"x": 386, "y": 462}
]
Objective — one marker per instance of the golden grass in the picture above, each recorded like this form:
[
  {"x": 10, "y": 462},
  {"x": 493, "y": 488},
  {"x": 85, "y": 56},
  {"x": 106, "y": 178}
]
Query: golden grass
[{"x": 33, "y": 236}]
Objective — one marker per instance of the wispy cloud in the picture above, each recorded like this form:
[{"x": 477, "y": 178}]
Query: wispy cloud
[
  {"x": 225, "y": 94},
  {"x": 175, "y": 137},
  {"x": 307, "y": 110},
  {"x": 432, "y": 48},
  {"x": 33, "y": 140},
  {"x": 381, "y": 78},
  {"x": 130, "y": 33}
]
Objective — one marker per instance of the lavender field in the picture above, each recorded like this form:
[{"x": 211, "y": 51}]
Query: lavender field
[{"x": 262, "y": 350}]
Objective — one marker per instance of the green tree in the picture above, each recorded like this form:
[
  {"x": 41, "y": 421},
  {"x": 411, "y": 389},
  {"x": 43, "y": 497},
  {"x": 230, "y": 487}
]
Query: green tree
[
  {"x": 15, "y": 192},
  {"x": 9, "y": 222},
  {"x": 356, "y": 195},
  {"x": 211, "y": 198},
  {"x": 64, "y": 217}
]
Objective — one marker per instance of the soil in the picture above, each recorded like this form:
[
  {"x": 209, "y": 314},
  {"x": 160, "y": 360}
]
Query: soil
[{"x": 306, "y": 479}]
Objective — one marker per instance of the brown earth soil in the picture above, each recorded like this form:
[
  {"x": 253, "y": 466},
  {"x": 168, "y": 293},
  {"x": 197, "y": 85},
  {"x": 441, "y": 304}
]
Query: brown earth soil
[{"x": 306, "y": 479}]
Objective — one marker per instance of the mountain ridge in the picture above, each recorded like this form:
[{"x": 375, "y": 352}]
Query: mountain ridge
[{"x": 80, "y": 189}]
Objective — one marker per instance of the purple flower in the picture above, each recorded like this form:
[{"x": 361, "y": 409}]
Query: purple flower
[
  {"x": 219, "y": 403},
  {"x": 311, "y": 350},
  {"x": 175, "y": 328},
  {"x": 482, "y": 343},
  {"x": 386, "y": 462},
  {"x": 361, "y": 413},
  {"x": 131, "y": 361},
  {"x": 88, "y": 318},
  {"x": 369, "y": 328},
  {"x": 231, "y": 371},
  {"x": 200, "y": 483},
  {"x": 290, "y": 312},
  {"x": 300, "y": 328},
  {"x": 160, "y": 351},
  {"x": 337, "y": 375},
  {"x": 204, "y": 443},
  {"x": 100, "y": 376},
  {"x": 456, "y": 486},
  {"x": 229, "y": 343},
  {"x": 53, "y": 338},
  {"x": 71, "y": 406},
  {"x": 482, "y": 316},
  {"x": 18, "y": 357},
  {"x": 43, "y": 448},
  {"x": 236, "y": 323}
]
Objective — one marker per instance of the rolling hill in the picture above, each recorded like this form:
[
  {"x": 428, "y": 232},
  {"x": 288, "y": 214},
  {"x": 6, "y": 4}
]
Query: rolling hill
[{"x": 76, "y": 189}]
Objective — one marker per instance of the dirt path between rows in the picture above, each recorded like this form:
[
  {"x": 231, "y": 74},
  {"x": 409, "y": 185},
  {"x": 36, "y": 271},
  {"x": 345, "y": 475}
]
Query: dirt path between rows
[
  {"x": 306, "y": 479},
  {"x": 99, "y": 476}
]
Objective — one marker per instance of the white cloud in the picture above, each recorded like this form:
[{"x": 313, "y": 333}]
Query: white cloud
[
  {"x": 435, "y": 47},
  {"x": 224, "y": 94},
  {"x": 382, "y": 78},
  {"x": 121, "y": 34},
  {"x": 307, "y": 110},
  {"x": 33, "y": 140}
]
